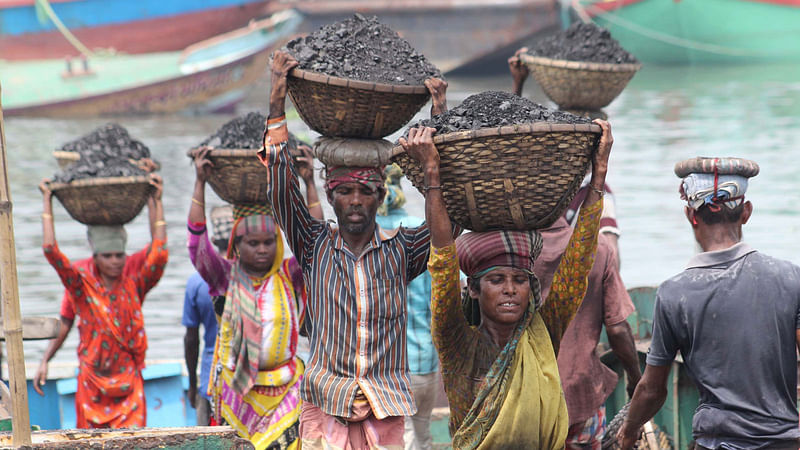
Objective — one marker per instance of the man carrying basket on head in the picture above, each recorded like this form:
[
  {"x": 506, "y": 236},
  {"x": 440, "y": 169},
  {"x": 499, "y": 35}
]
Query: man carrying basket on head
[
  {"x": 110, "y": 391},
  {"x": 356, "y": 387},
  {"x": 501, "y": 376}
]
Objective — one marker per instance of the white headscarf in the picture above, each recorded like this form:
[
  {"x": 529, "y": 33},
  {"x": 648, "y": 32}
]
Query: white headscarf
[{"x": 698, "y": 190}]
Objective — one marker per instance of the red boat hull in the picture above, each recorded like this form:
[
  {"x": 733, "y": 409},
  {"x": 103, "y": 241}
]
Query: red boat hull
[{"x": 155, "y": 35}]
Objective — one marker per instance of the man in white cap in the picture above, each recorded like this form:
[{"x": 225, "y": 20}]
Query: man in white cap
[{"x": 734, "y": 315}]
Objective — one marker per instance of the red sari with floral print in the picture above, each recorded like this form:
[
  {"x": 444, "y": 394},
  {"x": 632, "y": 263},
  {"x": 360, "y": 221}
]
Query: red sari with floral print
[{"x": 112, "y": 340}]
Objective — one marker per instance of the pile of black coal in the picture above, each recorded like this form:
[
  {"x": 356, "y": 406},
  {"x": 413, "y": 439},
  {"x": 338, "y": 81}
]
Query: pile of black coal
[
  {"x": 495, "y": 109},
  {"x": 584, "y": 42},
  {"x": 244, "y": 132},
  {"x": 364, "y": 49},
  {"x": 108, "y": 151}
]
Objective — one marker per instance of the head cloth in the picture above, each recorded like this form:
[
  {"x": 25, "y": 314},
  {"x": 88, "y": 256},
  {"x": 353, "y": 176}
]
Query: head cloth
[
  {"x": 714, "y": 181},
  {"x": 107, "y": 238},
  {"x": 251, "y": 219},
  {"x": 371, "y": 177},
  {"x": 481, "y": 252}
]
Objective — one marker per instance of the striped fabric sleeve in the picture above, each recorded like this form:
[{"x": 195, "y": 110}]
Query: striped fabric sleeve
[
  {"x": 571, "y": 277},
  {"x": 283, "y": 190},
  {"x": 418, "y": 250}
]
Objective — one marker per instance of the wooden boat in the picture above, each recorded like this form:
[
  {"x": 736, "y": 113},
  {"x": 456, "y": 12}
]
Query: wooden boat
[
  {"x": 223, "y": 438},
  {"x": 469, "y": 35},
  {"x": 700, "y": 32},
  {"x": 144, "y": 26},
  {"x": 165, "y": 386},
  {"x": 211, "y": 75}
]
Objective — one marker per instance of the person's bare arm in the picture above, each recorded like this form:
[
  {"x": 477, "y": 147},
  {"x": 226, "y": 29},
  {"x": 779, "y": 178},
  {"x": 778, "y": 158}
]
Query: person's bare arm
[
  {"x": 620, "y": 338},
  {"x": 304, "y": 164},
  {"x": 202, "y": 167},
  {"x": 158, "y": 227},
  {"x": 419, "y": 146},
  {"x": 438, "y": 89},
  {"x": 519, "y": 71},
  {"x": 650, "y": 394},
  {"x": 191, "y": 351},
  {"x": 48, "y": 229},
  {"x": 41, "y": 373},
  {"x": 600, "y": 164}
]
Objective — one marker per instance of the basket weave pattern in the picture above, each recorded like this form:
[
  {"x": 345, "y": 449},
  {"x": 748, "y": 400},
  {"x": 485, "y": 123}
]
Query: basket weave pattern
[
  {"x": 104, "y": 201},
  {"x": 340, "y": 107},
  {"x": 238, "y": 177},
  {"x": 580, "y": 85},
  {"x": 514, "y": 178}
]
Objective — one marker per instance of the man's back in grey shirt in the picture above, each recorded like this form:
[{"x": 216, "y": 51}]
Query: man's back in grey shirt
[{"x": 734, "y": 314}]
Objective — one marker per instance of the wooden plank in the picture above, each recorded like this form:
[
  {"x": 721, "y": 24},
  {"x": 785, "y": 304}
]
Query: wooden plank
[
  {"x": 37, "y": 328},
  {"x": 12, "y": 323}
]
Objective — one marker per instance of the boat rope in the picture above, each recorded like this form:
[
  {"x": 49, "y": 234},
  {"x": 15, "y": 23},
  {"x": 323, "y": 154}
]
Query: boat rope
[
  {"x": 658, "y": 36},
  {"x": 43, "y": 6}
]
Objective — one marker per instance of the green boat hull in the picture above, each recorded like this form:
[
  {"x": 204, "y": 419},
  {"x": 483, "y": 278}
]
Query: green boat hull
[{"x": 702, "y": 31}]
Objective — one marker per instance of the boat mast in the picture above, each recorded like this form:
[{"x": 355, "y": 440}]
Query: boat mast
[{"x": 12, "y": 321}]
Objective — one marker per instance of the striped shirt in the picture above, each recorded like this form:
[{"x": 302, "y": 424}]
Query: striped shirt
[{"x": 356, "y": 303}]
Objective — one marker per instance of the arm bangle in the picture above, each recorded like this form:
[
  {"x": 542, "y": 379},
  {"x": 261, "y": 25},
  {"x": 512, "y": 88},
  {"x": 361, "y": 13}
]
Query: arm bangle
[
  {"x": 600, "y": 192},
  {"x": 47, "y": 216},
  {"x": 198, "y": 202},
  {"x": 311, "y": 205},
  {"x": 159, "y": 223},
  {"x": 429, "y": 188}
]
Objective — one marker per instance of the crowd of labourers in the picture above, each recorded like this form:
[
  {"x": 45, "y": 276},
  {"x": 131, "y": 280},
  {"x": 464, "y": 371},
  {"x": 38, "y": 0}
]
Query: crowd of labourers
[{"x": 380, "y": 296}]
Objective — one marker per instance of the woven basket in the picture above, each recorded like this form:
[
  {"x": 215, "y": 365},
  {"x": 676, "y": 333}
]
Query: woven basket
[
  {"x": 340, "y": 107},
  {"x": 517, "y": 177},
  {"x": 238, "y": 177},
  {"x": 103, "y": 201},
  {"x": 580, "y": 85},
  {"x": 65, "y": 159}
]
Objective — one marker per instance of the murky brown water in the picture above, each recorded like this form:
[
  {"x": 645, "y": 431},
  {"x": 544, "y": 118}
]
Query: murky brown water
[{"x": 664, "y": 115}]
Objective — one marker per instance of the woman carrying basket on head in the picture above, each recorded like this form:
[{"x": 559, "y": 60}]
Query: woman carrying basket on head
[
  {"x": 110, "y": 392},
  {"x": 498, "y": 344},
  {"x": 256, "y": 371}
]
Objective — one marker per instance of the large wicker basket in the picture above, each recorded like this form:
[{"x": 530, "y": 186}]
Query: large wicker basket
[
  {"x": 580, "y": 85},
  {"x": 238, "y": 177},
  {"x": 517, "y": 177},
  {"x": 341, "y": 107},
  {"x": 103, "y": 201}
]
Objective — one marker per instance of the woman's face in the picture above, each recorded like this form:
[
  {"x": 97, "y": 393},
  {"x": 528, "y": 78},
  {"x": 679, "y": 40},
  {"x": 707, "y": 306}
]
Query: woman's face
[
  {"x": 257, "y": 251},
  {"x": 504, "y": 295},
  {"x": 111, "y": 264}
]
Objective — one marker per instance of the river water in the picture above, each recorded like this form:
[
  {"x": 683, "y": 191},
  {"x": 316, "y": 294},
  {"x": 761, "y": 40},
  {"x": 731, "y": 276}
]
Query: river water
[{"x": 664, "y": 115}]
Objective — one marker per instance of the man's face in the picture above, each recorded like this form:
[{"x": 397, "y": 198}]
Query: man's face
[
  {"x": 504, "y": 295},
  {"x": 355, "y": 205}
]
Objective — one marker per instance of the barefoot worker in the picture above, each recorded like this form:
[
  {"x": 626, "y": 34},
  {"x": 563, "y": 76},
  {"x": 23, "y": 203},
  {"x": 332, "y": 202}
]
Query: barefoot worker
[
  {"x": 501, "y": 376},
  {"x": 110, "y": 392},
  {"x": 356, "y": 388},
  {"x": 256, "y": 371}
]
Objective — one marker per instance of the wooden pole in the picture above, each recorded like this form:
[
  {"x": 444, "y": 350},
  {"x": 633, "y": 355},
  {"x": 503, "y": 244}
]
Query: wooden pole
[{"x": 12, "y": 321}]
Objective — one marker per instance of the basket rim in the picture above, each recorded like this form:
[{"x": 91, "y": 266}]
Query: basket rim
[
  {"x": 508, "y": 130},
  {"x": 229, "y": 152},
  {"x": 101, "y": 181},
  {"x": 63, "y": 154},
  {"x": 579, "y": 65},
  {"x": 357, "y": 84}
]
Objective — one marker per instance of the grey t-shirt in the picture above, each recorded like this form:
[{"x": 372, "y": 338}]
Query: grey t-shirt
[{"x": 733, "y": 314}]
